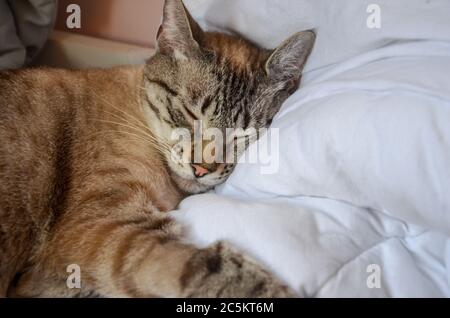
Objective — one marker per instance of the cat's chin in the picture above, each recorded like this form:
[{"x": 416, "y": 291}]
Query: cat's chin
[
  {"x": 189, "y": 186},
  {"x": 185, "y": 180}
]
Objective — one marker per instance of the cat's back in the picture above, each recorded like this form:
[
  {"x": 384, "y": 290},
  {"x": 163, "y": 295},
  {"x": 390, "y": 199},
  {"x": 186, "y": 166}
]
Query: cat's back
[
  {"x": 32, "y": 100},
  {"x": 32, "y": 103},
  {"x": 44, "y": 115},
  {"x": 24, "y": 92}
]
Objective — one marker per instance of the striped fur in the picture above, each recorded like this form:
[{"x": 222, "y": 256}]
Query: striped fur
[{"x": 86, "y": 176}]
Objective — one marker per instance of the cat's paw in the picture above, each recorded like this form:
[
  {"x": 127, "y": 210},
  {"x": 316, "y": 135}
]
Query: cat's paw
[{"x": 220, "y": 271}]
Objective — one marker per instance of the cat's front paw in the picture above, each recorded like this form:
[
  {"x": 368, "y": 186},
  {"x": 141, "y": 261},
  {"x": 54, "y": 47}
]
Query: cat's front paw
[{"x": 220, "y": 271}]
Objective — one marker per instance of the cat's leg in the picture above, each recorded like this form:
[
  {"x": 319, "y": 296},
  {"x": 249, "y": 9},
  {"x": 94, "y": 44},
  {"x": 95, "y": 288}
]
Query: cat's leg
[
  {"x": 125, "y": 255},
  {"x": 221, "y": 271}
]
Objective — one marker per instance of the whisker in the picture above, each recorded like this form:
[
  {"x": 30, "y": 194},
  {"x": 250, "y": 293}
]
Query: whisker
[
  {"x": 136, "y": 129},
  {"x": 133, "y": 135},
  {"x": 124, "y": 113},
  {"x": 150, "y": 133},
  {"x": 135, "y": 119},
  {"x": 132, "y": 122}
]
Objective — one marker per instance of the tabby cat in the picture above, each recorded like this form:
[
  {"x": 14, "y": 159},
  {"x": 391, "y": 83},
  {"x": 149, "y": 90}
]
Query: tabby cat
[{"x": 87, "y": 177}]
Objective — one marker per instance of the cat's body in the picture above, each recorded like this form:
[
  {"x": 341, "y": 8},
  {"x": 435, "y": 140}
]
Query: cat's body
[
  {"x": 72, "y": 156},
  {"x": 86, "y": 179}
]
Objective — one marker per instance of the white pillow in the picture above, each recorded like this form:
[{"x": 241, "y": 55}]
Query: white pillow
[
  {"x": 341, "y": 26},
  {"x": 373, "y": 132}
]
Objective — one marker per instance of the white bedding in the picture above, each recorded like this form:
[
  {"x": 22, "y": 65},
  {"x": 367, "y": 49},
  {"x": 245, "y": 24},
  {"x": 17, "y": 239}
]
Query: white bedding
[{"x": 363, "y": 181}]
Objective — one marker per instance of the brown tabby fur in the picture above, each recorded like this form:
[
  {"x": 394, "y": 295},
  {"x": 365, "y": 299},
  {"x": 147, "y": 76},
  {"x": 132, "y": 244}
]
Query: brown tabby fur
[{"x": 78, "y": 186}]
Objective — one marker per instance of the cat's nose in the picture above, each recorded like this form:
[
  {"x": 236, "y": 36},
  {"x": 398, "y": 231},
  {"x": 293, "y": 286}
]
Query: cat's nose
[{"x": 200, "y": 171}]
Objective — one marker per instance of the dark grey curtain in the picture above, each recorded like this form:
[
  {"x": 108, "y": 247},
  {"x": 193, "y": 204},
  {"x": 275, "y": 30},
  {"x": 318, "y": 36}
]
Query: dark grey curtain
[{"x": 24, "y": 27}]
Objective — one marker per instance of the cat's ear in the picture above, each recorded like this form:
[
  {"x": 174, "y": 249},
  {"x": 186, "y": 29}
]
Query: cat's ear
[
  {"x": 179, "y": 34},
  {"x": 286, "y": 63}
]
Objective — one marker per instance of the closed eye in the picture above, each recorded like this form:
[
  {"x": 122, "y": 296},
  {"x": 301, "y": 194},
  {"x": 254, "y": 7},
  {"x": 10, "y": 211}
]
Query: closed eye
[
  {"x": 163, "y": 85},
  {"x": 190, "y": 113},
  {"x": 240, "y": 139},
  {"x": 206, "y": 104}
]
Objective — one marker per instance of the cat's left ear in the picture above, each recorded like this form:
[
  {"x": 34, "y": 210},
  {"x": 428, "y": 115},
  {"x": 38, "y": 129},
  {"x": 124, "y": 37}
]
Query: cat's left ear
[
  {"x": 286, "y": 63},
  {"x": 179, "y": 34}
]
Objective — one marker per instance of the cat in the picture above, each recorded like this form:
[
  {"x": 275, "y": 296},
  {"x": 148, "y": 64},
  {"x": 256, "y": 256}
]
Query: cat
[{"x": 87, "y": 177}]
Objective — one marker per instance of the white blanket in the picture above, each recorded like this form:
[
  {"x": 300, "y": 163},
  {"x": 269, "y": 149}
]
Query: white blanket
[{"x": 360, "y": 204}]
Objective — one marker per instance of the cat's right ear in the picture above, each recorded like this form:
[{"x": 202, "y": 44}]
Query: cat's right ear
[
  {"x": 285, "y": 64},
  {"x": 179, "y": 34}
]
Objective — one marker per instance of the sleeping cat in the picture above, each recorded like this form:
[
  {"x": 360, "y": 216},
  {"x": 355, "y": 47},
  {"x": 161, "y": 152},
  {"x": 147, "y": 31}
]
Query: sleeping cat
[{"x": 87, "y": 175}]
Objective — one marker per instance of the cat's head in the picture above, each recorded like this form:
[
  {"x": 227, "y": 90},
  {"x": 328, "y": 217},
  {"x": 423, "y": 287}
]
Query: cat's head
[{"x": 199, "y": 80}]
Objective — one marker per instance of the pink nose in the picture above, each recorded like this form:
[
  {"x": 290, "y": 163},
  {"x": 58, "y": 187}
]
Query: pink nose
[{"x": 200, "y": 171}]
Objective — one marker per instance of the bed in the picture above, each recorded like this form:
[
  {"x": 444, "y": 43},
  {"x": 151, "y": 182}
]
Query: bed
[{"x": 359, "y": 205}]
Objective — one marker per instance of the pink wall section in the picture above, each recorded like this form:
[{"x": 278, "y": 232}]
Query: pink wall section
[{"x": 129, "y": 21}]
